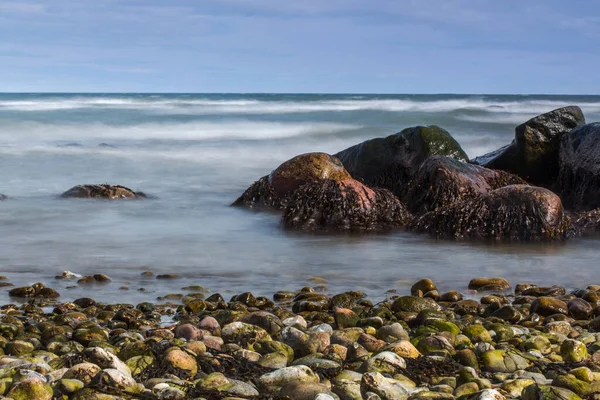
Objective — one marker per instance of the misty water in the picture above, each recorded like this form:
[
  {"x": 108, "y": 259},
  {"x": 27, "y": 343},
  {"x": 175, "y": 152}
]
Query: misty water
[{"x": 197, "y": 154}]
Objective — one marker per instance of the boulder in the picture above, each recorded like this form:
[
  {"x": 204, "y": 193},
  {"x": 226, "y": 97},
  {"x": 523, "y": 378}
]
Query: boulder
[
  {"x": 345, "y": 205},
  {"x": 273, "y": 191},
  {"x": 391, "y": 162},
  {"x": 441, "y": 181},
  {"x": 511, "y": 213},
  {"x": 533, "y": 154},
  {"x": 103, "y": 191},
  {"x": 578, "y": 182}
]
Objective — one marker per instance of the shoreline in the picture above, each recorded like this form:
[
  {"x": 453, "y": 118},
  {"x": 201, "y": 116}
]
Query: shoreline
[{"x": 520, "y": 341}]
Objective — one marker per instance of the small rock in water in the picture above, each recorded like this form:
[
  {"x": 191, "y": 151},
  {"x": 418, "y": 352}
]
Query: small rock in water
[{"x": 168, "y": 276}]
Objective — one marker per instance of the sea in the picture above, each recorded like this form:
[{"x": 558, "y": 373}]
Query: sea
[{"x": 196, "y": 153}]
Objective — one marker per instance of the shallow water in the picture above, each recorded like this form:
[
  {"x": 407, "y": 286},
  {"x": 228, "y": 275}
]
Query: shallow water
[{"x": 197, "y": 153}]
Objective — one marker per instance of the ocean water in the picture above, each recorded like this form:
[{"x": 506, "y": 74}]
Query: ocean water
[{"x": 197, "y": 153}]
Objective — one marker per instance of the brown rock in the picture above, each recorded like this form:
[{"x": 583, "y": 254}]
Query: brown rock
[{"x": 103, "y": 191}]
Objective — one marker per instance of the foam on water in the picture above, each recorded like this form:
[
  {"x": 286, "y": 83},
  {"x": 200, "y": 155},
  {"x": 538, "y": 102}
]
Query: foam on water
[
  {"x": 198, "y": 105},
  {"x": 186, "y": 131}
]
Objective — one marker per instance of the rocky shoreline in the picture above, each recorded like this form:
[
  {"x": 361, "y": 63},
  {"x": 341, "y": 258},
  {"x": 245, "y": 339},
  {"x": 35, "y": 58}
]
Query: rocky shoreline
[{"x": 493, "y": 341}]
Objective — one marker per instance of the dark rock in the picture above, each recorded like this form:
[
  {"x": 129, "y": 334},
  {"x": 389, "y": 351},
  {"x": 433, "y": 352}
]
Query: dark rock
[
  {"x": 441, "y": 181},
  {"x": 167, "y": 276},
  {"x": 578, "y": 182},
  {"x": 25, "y": 291},
  {"x": 588, "y": 223},
  {"x": 546, "y": 306},
  {"x": 539, "y": 291},
  {"x": 579, "y": 309},
  {"x": 511, "y": 213},
  {"x": 3, "y": 197},
  {"x": 452, "y": 296},
  {"x": 273, "y": 191},
  {"x": 533, "y": 154},
  {"x": 101, "y": 278},
  {"x": 103, "y": 191},
  {"x": 508, "y": 313},
  {"x": 414, "y": 304},
  {"x": 489, "y": 284},
  {"x": 421, "y": 287},
  {"x": 345, "y": 205},
  {"x": 392, "y": 162}
]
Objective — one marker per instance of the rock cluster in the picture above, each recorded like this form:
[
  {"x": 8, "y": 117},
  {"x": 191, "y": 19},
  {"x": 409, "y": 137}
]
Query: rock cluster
[
  {"x": 420, "y": 179},
  {"x": 532, "y": 343}
]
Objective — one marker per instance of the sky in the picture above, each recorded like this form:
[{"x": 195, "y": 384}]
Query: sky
[{"x": 316, "y": 46}]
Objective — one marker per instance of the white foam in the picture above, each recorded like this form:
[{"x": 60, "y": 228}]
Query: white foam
[
  {"x": 204, "y": 106},
  {"x": 27, "y": 131}
]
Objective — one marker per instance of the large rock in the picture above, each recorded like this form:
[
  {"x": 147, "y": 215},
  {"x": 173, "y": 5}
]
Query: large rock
[
  {"x": 441, "y": 181},
  {"x": 533, "y": 154},
  {"x": 578, "y": 182},
  {"x": 345, "y": 205},
  {"x": 511, "y": 213},
  {"x": 103, "y": 191},
  {"x": 391, "y": 162},
  {"x": 274, "y": 190}
]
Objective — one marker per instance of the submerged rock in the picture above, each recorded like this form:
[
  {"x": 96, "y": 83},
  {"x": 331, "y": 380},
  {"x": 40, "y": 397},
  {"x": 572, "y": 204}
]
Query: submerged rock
[
  {"x": 578, "y": 181},
  {"x": 391, "y": 162},
  {"x": 511, "y": 213},
  {"x": 274, "y": 190},
  {"x": 103, "y": 191},
  {"x": 344, "y": 205},
  {"x": 441, "y": 181},
  {"x": 533, "y": 154}
]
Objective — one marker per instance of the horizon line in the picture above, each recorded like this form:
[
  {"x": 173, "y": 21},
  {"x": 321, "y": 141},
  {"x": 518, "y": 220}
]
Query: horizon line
[{"x": 299, "y": 93}]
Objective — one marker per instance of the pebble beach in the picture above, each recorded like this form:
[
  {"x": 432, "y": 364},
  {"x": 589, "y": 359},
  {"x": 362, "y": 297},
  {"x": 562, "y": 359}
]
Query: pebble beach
[{"x": 495, "y": 341}]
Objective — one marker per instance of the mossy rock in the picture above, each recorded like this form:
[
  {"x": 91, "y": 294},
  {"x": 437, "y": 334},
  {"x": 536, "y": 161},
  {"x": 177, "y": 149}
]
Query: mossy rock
[
  {"x": 534, "y": 153},
  {"x": 547, "y": 392},
  {"x": 392, "y": 162},
  {"x": 503, "y": 361},
  {"x": 346, "y": 205},
  {"x": 138, "y": 364},
  {"x": 573, "y": 351},
  {"x": 441, "y": 325},
  {"x": 414, "y": 304},
  {"x": 271, "y": 346},
  {"x": 573, "y": 384},
  {"x": 477, "y": 333},
  {"x": 31, "y": 388},
  {"x": 510, "y": 214},
  {"x": 274, "y": 190}
]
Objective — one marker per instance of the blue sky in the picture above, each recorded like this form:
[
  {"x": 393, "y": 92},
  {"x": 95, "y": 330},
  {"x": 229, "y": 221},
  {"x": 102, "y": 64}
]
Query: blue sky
[{"x": 366, "y": 46}]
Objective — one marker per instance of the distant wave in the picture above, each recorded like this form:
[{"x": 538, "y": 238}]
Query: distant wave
[{"x": 204, "y": 106}]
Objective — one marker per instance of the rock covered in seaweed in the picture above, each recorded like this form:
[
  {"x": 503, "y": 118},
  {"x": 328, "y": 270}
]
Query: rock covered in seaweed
[
  {"x": 391, "y": 162},
  {"x": 103, "y": 191},
  {"x": 440, "y": 181},
  {"x": 533, "y": 154},
  {"x": 345, "y": 205},
  {"x": 578, "y": 182},
  {"x": 274, "y": 190},
  {"x": 511, "y": 213},
  {"x": 588, "y": 223}
]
